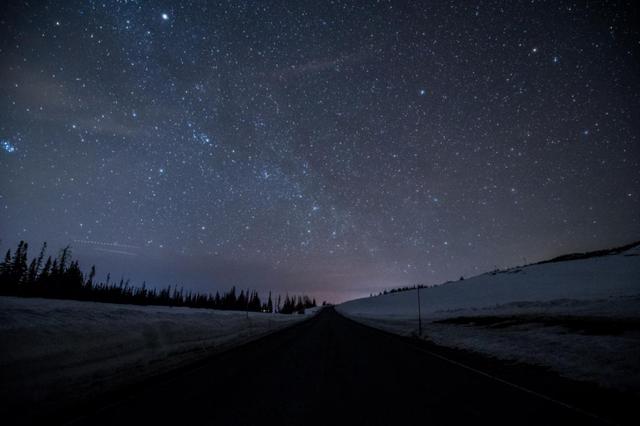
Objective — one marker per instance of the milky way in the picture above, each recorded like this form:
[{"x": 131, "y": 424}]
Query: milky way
[{"x": 336, "y": 148}]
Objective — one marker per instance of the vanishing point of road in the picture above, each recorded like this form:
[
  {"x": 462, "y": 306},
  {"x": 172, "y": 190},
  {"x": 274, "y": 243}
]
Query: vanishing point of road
[{"x": 330, "y": 370}]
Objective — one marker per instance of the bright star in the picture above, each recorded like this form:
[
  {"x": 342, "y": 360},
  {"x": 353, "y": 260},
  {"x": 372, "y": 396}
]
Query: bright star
[
  {"x": 8, "y": 146},
  {"x": 165, "y": 17},
  {"x": 423, "y": 92}
]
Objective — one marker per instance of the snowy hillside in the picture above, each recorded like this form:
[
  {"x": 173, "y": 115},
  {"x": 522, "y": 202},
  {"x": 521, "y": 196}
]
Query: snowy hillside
[
  {"x": 56, "y": 349},
  {"x": 594, "y": 278},
  {"x": 578, "y": 317}
]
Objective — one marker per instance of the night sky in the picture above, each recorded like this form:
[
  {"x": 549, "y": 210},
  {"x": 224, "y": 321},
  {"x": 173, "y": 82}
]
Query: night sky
[{"x": 333, "y": 148}]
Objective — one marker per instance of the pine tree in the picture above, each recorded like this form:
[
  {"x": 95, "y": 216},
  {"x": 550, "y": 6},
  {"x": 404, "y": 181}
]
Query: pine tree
[
  {"x": 269, "y": 304},
  {"x": 256, "y": 306},
  {"x": 35, "y": 269},
  {"x": 43, "y": 277},
  {"x": 19, "y": 264},
  {"x": 5, "y": 271},
  {"x": 33, "y": 272},
  {"x": 91, "y": 276},
  {"x": 73, "y": 280}
]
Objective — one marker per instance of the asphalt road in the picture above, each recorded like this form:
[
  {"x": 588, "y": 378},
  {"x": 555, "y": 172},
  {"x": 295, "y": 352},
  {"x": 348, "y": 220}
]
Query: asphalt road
[{"x": 329, "y": 370}]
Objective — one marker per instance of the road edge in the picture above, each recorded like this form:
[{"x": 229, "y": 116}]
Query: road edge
[{"x": 607, "y": 406}]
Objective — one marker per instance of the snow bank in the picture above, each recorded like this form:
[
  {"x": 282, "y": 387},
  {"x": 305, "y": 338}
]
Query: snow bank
[
  {"x": 53, "y": 350},
  {"x": 530, "y": 314}
]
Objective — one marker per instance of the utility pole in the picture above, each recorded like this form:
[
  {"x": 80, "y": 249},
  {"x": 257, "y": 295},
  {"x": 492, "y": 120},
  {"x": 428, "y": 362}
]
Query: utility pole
[{"x": 419, "y": 314}]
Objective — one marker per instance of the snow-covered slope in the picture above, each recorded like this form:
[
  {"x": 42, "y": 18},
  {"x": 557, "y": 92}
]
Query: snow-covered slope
[
  {"x": 54, "y": 350},
  {"x": 593, "y": 278},
  {"x": 579, "y": 318}
]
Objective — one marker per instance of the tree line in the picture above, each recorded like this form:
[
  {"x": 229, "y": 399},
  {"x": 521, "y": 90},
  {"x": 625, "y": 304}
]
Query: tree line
[
  {"x": 414, "y": 287},
  {"x": 62, "y": 278},
  {"x": 400, "y": 289}
]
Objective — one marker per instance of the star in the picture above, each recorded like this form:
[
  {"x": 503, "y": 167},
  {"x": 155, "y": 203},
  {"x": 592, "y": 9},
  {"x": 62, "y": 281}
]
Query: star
[{"x": 165, "y": 17}]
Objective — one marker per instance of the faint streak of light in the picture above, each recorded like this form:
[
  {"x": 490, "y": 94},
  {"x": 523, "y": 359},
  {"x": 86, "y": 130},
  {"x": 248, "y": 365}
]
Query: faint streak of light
[
  {"x": 127, "y": 253},
  {"x": 102, "y": 243}
]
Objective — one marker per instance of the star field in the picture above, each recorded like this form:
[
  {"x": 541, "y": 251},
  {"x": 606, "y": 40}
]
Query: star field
[{"x": 336, "y": 148}]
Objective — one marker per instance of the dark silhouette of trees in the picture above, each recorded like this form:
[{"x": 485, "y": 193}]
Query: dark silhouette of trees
[
  {"x": 269, "y": 306},
  {"x": 401, "y": 289},
  {"x": 62, "y": 278},
  {"x": 296, "y": 304}
]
